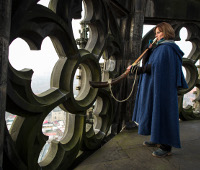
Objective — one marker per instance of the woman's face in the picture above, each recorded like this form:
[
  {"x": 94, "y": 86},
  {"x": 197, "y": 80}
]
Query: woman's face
[{"x": 159, "y": 35}]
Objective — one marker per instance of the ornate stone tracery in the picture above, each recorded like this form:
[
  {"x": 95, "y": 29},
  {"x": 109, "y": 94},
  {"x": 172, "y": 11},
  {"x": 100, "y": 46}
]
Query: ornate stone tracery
[{"x": 33, "y": 23}]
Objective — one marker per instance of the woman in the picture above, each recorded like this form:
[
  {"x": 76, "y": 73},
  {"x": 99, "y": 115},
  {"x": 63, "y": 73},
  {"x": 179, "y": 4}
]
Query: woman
[{"x": 156, "y": 105}]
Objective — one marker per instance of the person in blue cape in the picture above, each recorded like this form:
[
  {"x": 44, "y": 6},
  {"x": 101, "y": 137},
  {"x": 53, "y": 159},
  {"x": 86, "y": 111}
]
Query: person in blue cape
[{"x": 156, "y": 104}]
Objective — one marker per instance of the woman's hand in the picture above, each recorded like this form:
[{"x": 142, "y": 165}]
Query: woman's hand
[
  {"x": 150, "y": 46},
  {"x": 132, "y": 68},
  {"x": 129, "y": 67}
]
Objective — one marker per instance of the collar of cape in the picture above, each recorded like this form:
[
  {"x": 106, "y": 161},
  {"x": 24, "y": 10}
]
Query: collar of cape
[
  {"x": 173, "y": 45},
  {"x": 161, "y": 41}
]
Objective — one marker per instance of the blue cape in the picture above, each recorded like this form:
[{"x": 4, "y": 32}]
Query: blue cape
[{"x": 156, "y": 105}]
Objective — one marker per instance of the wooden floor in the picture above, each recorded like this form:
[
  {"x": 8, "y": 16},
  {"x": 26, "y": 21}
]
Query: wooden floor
[{"x": 126, "y": 152}]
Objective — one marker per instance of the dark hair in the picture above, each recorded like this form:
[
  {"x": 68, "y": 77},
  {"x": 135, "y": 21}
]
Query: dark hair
[{"x": 167, "y": 30}]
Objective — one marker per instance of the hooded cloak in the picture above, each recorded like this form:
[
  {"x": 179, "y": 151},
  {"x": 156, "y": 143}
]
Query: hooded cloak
[{"x": 156, "y": 105}]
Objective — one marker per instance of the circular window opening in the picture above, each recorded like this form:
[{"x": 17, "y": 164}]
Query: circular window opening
[
  {"x": 107, "y": 65},
  {"x": 54, "y": 124},
  {"x": 110, "y": 64},
  {"x": 93, "y": 120},
  {"x": 35, "y": 60},
  {"x": 59, "y": 127},
  {"x": 9, "y": 119},
  {"x": 188, "y": 99},
  {"x": 81, "y": 86}
]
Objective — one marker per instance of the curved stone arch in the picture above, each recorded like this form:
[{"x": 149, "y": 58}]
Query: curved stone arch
[
  {"x": 63, "y": 75},
  {"x": 102, "y": 117},
  {"x": 62, "y": 154},
  {"x": 31, "y": 29},
  {"x": 192, "y": 73},
  {"x": 102, "y": 25}
]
